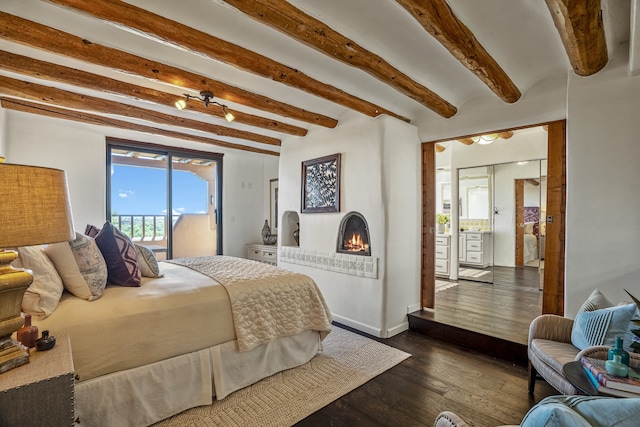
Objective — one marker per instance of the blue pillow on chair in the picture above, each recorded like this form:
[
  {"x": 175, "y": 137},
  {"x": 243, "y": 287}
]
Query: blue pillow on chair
[{"x": 599, "y": 323}]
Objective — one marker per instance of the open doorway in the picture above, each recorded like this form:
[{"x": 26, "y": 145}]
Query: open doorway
[{"x": 551, "y": 297}]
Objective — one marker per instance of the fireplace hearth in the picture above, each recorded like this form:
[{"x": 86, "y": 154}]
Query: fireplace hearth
[{"x": 353, "y": 236}]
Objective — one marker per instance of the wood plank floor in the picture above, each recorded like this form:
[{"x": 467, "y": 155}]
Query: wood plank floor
[
  {"x": 503, "y": 309},
  {"x": 439, "y": 376}
]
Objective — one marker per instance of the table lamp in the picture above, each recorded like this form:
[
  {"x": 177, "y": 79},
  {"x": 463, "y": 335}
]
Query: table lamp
[{"x": 34, "y": 210}]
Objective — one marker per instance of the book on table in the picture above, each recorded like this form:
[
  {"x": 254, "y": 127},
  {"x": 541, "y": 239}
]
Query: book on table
[{"x": 596, "y": 367}]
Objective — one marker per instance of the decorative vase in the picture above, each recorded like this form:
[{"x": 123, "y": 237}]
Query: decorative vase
[
  {"x": 266, "y": 231},
  {"x": 615, "y": 367},
  {"x": 440, "y": 228},
  {"x": 28, "y": 334},
  {"x": 296, "y": 234},
  {"x": 618, "y": 350}
]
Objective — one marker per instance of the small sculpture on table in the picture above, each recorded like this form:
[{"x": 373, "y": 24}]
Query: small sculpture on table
[{"x": 267, "y": 237}]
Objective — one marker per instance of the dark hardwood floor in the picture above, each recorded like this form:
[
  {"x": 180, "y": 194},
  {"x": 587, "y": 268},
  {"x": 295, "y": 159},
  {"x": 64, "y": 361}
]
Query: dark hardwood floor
[
  {"x": 468, "y": 356},
  {"x": 439, "y": 376}
]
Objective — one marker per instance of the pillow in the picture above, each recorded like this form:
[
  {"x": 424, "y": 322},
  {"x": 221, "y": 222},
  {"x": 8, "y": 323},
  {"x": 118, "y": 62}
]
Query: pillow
[
  {"x": 528, "y": 227},
  {"x": 81, "y": 266},
  {"x": 598, "y": 323},
  {"x": 120, "y": 254},
  {"x": 42, "y": 296},
  {"x": 587, "y": 411},
  {"x": 147, "y": 262}
]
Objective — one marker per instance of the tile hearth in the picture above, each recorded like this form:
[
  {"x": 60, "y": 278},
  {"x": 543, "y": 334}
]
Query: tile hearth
[{"x": 353, "y": 265}]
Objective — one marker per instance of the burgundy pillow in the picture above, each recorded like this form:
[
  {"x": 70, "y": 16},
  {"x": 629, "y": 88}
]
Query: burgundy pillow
[{"x": 120, "y": 254}]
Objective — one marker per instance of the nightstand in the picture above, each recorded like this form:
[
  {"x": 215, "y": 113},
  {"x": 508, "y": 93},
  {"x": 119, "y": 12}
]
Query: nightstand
[
  {"x": 42, "y": 391},
  {"x": 263, "y": 253}
]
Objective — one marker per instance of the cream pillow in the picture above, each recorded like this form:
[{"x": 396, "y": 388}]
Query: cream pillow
[
  {"x": 43, "y": 295},
  {"x": 147, "y": 262},
  {"x": 80, "y": 265}
]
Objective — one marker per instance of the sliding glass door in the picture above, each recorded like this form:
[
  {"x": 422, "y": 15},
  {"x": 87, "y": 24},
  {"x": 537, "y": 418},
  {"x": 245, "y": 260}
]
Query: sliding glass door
[{"x": 168, "y": 200}]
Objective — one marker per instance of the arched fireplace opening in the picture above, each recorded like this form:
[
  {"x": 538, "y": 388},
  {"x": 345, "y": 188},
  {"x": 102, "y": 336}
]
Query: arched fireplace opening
[{"x": 353, "y": 236}]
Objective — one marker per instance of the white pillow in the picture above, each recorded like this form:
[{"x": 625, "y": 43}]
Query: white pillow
[
  {"x": 147, "y": 262},
  {"x": 80, "y": 265},
  {"x": 43, "y": 295},
  {"x": 528, "y": 227}
]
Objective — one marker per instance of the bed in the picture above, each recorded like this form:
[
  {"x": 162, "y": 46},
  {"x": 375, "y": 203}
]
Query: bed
[{"x": 203, "y": 330}]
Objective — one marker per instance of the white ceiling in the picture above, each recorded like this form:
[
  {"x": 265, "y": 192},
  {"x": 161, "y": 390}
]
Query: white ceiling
[{"x": 520, "y": 35}]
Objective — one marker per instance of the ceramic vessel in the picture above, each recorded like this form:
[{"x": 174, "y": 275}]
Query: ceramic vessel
[
  {"x": 28, "y": 334},
  {"x": 266, "y": 232},
  {"x": 617, "y": 349},
  {"x": 46, "y": 342},
  {"x": 615, "y": 367},
  {"x": 296, "y": 234}
]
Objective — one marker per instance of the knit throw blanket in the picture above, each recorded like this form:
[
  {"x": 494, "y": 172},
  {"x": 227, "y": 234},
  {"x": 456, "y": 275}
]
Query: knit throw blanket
[{"x": 267, "y": 302}]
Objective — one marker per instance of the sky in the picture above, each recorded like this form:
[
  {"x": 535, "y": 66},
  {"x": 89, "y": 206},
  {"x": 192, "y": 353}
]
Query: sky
[{"x": 142, "y": 191}]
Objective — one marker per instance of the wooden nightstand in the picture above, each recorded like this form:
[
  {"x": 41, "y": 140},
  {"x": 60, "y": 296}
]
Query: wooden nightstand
[
  {"x": 42, "y": 391},
  {"x": 263, "y": 253}
]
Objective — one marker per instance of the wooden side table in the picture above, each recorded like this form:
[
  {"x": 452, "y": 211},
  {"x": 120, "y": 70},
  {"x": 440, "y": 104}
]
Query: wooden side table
[{"x": 40, "y": 393}]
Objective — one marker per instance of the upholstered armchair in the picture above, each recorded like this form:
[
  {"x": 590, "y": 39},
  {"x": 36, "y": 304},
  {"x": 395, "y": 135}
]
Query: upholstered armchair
[{"x": 550, "y": 348}]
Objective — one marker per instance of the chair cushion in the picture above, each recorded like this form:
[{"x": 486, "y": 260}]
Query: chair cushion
[
  {"x": 583, "y": 411},
  {"x": 553, "y": 353},
  {"x": 598, "y": 322}
]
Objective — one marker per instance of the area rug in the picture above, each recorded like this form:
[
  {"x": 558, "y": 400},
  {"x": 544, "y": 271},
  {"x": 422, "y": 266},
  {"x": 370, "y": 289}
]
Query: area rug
[
  {"x": 441, "y": 285},
  {"x": 472, "y": 272},
  {"x": 347, "y": 361}
]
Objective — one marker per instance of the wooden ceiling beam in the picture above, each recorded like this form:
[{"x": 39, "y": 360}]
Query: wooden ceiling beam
[
  {"x": 579, "y": 23},
  {"x": 532, "y": 181},
  {"x": 505, "y": 135},
  {"x": 466, "y": 141},
  {"x": 50, "y": 95},
  {"x": 286, "y": 18},
  {"x": 176, "y": 33},
  {"x": 58, "y": 73},
  {"x": 32, "y": 34},
  {"x": 437, "y": 18},
  {"x": 440, "y": 148},
  {"x": 78, "y": 116}
]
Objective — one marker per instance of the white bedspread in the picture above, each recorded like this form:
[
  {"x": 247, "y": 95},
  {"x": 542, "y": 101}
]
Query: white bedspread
[
  {"x": 266, "y": 302},
  {"x": 530, "y": 247}
]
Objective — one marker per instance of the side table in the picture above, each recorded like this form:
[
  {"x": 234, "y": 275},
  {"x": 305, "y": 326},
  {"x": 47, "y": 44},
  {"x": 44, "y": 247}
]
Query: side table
[
  {"x": 42, "y": 391},
  {"x": 576, "y": 375}
]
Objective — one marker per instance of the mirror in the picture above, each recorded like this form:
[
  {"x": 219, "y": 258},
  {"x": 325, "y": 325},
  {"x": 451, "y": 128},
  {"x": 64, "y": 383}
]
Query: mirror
[{"x": 475, "y": 239}]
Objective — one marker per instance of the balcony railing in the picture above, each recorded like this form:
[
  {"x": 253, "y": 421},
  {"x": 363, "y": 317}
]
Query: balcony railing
[{"x": 142, "y": 227}]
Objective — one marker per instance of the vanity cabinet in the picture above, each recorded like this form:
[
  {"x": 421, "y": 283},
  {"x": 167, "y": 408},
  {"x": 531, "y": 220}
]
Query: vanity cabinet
[
  {"x": 442, "y": 254},
  {"x": 475, "y": 248}
]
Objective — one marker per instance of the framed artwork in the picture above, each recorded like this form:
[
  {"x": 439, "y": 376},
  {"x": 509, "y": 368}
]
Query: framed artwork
[
  {"x": 321, "y": 184},
  {"x": 273, "y": 205}
]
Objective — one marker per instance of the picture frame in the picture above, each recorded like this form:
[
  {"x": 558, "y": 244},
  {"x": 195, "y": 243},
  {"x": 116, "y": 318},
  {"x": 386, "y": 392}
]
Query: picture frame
[
  {"x": 320, "y": 185},
  {"x": 273, "y": 205}
]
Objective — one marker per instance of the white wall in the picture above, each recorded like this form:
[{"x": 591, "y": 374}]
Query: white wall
[
  {"x": 380, "y": 178},
  {"x": 603, "y": 172},
  {"x": 80, "y": 150}
]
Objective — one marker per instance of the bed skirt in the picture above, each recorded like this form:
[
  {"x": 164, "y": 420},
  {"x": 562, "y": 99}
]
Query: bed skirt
[{"x": 150, "y": 393}]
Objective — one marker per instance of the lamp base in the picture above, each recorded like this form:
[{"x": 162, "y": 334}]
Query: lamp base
[{"x": 12, "y": 354}]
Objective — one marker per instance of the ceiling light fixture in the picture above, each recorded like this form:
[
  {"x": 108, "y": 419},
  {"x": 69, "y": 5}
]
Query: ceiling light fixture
[
  {"x": 486, "y": 139},
  {"x": 206, "y": 98}
]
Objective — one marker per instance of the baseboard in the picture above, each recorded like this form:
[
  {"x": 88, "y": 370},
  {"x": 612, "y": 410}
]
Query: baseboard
[{"x": 376, "y": 332}]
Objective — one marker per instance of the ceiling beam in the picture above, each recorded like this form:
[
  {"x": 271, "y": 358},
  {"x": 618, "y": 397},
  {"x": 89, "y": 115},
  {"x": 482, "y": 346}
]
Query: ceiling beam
[
  {"x": 176, "y": 33},
  {"x": 505, "y": 135},
  {"x": 579, "y": 23},
  {"x": 532, "y": 181},
  {"x": 284, "y": 17},
  {"x": 437, "y": 18},
  {"x": 32, "y": 34},
  {"x": 58, "y": 73},
  {"x": 466, "y": 141},
  {"x": 50, "y": 95},
  {"x": 440, "y": 148},
  {"x": 78, "y": 116}
]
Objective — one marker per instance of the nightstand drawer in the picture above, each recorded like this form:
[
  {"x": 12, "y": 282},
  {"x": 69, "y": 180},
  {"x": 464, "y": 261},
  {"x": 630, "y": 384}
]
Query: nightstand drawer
[
  {"x": 474, "y": 245},
  {"x": 474, "y": 236}
]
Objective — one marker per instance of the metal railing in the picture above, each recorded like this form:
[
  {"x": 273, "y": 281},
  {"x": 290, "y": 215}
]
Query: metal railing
[{"x": 142, "y": 227}]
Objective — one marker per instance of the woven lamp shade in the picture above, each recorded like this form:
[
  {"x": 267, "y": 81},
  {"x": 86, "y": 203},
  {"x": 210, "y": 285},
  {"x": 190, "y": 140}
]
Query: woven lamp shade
[{"x": 34, "y": 206}]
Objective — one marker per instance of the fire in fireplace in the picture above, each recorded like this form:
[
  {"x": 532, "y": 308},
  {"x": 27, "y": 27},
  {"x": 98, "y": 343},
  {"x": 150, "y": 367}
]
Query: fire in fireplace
[{"x": 353, "y": 236}]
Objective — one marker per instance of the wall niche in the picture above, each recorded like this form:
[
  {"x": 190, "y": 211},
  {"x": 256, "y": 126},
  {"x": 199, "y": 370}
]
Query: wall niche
[{"x": 290, "y": 229}]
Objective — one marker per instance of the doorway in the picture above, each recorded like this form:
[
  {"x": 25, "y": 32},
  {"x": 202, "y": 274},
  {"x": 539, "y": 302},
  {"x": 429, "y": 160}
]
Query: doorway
[
  {"x": 166, "y": 199},
  {"x": 553, "y": 273}
]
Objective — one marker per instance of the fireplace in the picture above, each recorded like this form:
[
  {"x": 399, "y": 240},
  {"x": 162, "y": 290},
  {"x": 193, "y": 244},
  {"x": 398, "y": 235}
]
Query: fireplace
[{"x": 353, "y": 237}]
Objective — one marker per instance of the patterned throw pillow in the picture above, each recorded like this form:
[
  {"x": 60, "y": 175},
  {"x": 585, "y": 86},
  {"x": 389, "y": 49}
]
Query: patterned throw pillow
[
  {"x": 81, "y": 266},
  {"x": 599, "y": 323},
  {"x": 120, "y": 254},
  {"x": 43, "y": 295},
  {"x": 147, "y": 262}
]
